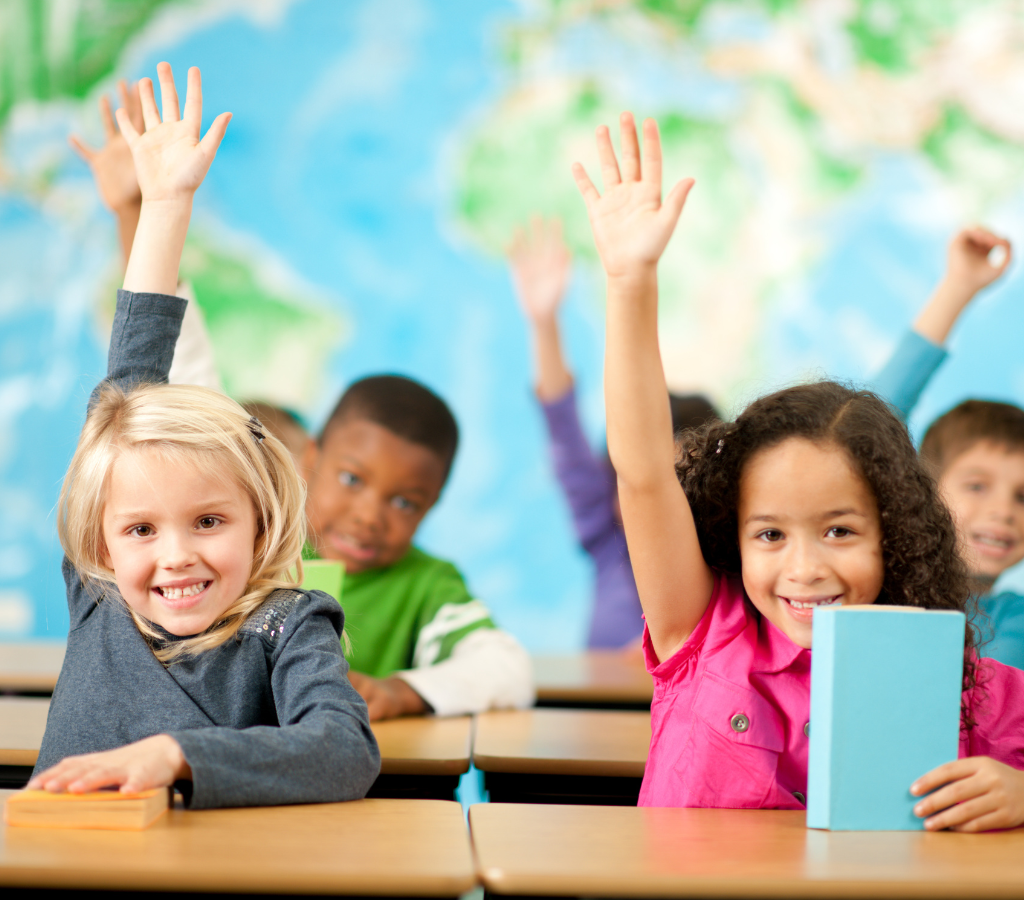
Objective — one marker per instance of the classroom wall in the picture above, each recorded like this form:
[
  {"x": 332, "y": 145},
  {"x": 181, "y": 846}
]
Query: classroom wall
[{"x": 380, "y": 154}]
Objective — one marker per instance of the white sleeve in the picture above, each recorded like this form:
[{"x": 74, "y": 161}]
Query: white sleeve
[
  {"x": 487, "y": 669},
  {"x": 193, "y": 354}
]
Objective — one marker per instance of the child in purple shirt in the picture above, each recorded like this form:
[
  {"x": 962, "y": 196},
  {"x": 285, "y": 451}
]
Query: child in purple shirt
[
  {"x": 813, "y": 497},
  {"x": 541, "y": 264}
]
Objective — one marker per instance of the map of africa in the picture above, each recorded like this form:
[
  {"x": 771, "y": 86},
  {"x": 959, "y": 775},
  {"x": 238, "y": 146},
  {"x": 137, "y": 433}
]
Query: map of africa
[{"x": 383, "y": 151}]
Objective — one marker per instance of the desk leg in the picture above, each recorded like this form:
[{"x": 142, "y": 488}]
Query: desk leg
[{"x": 415, "y": 787}]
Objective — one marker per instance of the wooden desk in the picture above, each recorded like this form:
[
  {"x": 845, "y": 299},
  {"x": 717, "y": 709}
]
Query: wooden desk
[
  {"x": 367, "y": 847},
  {"x": 562, "y": 755},
  {"x": 601, "y": 852},
  {"x": 595, "y": 679},
  {"x": 422, "y": 756},
  {"x": 30, "y": 668},
  {"x": 22, "y": 723}
]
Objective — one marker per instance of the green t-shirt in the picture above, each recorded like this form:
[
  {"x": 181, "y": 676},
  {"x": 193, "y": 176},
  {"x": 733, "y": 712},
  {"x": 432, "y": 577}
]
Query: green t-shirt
[{"x": 408, "y": 615}]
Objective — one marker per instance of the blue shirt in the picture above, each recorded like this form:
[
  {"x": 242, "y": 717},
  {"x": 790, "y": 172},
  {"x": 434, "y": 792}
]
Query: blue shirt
[{"x": 901, "y": 382}]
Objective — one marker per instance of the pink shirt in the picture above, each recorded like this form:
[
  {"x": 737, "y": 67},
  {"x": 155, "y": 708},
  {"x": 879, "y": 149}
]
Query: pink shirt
[{"x": 731, "y": 706}]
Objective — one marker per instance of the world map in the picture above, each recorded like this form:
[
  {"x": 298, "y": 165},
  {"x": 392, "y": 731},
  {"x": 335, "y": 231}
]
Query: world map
[{"x": 382, "y": 153}]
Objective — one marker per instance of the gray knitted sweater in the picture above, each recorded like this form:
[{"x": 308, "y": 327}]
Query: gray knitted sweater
[{"x": 266, "y": 718}]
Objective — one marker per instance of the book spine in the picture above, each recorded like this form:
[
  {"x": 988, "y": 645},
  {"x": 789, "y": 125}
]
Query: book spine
[{"x": 819, "y": 766}]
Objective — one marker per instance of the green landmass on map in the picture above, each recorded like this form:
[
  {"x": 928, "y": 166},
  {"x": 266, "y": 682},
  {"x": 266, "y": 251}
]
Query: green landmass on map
[
  {"x": 271, "y": 341},
  {"x": 51, "y": 49}
]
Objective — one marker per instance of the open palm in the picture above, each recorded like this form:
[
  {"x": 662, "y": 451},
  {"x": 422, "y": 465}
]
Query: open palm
[
  {"x": 631, "y": 223},
  {"x": 170, "y": 159}
]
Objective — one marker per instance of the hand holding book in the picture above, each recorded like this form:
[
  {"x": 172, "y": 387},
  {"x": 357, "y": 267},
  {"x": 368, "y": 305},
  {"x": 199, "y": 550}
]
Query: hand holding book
[{"x": 973, "y": 794}]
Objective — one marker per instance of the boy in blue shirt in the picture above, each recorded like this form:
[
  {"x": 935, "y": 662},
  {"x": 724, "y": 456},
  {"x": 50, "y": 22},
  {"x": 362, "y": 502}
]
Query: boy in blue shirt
[{"x": 976, "y": 449}]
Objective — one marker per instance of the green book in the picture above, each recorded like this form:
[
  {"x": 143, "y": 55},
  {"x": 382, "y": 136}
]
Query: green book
[{"x": 325, "y": 575}]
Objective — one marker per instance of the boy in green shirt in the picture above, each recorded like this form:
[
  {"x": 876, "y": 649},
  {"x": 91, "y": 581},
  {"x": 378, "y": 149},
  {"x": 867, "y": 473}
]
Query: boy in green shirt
[{"x": 420, "y": 641}]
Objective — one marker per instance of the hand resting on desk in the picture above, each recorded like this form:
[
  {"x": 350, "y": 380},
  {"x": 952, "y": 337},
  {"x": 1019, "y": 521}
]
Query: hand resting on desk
[
  {"x": 154, "y": 762},
  {"x": 972, "y": 794}
]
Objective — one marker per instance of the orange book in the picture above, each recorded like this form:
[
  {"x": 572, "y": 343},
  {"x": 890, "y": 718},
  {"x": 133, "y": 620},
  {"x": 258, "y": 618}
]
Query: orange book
[{"x": 108, "y": 810}]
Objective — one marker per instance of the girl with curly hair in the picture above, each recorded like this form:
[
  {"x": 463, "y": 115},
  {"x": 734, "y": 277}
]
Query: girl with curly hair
[{"x": 813, "y": 497}]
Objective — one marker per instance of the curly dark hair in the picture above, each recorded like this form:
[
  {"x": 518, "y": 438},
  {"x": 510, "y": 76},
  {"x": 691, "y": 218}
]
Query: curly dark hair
[{"x": 919, "y": 543}]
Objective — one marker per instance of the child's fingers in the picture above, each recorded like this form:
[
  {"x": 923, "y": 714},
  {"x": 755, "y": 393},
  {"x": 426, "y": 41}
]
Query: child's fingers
[
  {"x": 1000, "y": 267},
  {"x": 672, "y": 208},
  {"x": 107, "y": 117},
  {"x": 515, "y": 246},
  {"x": 585, "y": 185},
  {"x": 82, "y": 149},
  {"x": 168, "y": 93},
  {"x": 652, "y": 153},
  {"x": 940, "y": 775},
  {"x": 214, "y": 134},
  {"x": 962, "y": 813},
  {"x": 150, "y": 114},
  {"x": 630, "y": 148},
  {"x": 130, "y": 101},
  {"x": 194, "y": 101},
  {"x": 610, "y": 176},
  {"x": 126, "y": 126}
]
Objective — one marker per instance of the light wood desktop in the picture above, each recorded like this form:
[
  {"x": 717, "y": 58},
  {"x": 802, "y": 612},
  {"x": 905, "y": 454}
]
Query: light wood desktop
[
  {"x": 593, "y": 678},
  {"x": 22, "y": 723},
  {"x": 615, "y": 851},
  {"x": 605, "y": 743},
  {"x": 366, "y": 847},
  {"x": 30, "y": 668},
  {"x": 562, "y": 755},
  {"x": 424, "y": 745}
]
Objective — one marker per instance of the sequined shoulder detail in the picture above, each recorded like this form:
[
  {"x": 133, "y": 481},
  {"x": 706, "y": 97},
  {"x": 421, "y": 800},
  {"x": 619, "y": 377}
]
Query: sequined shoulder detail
[{"x": 269, "y": 619}]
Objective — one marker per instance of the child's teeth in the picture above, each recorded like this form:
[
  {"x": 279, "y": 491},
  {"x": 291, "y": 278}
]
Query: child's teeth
[{"x": 177, "y": 593}]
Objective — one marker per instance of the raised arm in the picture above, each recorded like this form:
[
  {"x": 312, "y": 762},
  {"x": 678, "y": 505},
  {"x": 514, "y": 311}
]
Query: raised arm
[
  {"x": 170, "y": 163},
  {"x": 112, "y": 166},
  {"x": 969, "y": 269},
  {"x": 541, "y": 264},
  {"x": 631, "y": 228}
]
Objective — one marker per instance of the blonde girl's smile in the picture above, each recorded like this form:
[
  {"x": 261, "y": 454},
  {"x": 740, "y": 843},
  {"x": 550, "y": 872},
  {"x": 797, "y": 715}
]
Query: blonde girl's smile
[
  {"x": 810, "y": 534},
  {"x": 179, "y": 541}
]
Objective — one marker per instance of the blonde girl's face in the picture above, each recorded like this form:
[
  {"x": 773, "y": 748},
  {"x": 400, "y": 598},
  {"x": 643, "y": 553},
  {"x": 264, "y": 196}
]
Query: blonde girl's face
[
  {"x": 809, "y": 534},
  {"x": 179, "y": 541}
]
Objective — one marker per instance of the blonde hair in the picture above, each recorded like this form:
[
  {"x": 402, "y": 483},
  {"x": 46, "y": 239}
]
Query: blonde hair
[{"x": 204, "y": 429}]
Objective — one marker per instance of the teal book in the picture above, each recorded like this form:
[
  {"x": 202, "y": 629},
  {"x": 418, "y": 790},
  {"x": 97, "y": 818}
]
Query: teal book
[{"x": 885, "y": 708}]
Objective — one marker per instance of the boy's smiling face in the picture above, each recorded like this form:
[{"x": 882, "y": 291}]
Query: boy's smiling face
[
  {"x": 984, "y": 489},
  {"x": 369, "y": 489}
]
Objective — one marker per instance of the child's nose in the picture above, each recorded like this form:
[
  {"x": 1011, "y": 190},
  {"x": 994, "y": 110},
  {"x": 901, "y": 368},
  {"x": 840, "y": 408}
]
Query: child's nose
[
  {"x": 804, "y": 563},
  {"x": 368, "y": 509},
  {"x": 176, "y": 551}
]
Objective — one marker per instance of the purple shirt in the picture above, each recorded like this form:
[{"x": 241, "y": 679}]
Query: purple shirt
[
  {"x": 589, "y": 485},
  {"x": 736, "y": 661}
]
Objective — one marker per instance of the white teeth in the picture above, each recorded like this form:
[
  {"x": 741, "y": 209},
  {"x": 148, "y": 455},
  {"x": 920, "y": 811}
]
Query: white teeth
[
  {"x": 992, "y": 542},
  {"x": 177, "y": 593},
  {"x": 797, "y": 604}
]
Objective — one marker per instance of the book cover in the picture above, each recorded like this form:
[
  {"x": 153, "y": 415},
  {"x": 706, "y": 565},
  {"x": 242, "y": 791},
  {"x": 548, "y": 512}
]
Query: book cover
[
  {"x": 325, "y": 575},
  {"x": 109, "y": 810},
  {"x": 885, "y": 709}
]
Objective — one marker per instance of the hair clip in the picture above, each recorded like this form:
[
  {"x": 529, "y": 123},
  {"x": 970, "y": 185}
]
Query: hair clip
[
  {"x": 721, "y": 444},
  {"x": 256, "y": 427}
]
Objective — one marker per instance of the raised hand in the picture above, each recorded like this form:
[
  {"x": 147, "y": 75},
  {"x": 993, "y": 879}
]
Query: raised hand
[
  {"x": 631, "y": 223},
  {"x": 170, "y": 159},
  {"x": 970, "y": 260},
  {"x": 540, "y": 264},
  {"x": 111, "y": 165}
]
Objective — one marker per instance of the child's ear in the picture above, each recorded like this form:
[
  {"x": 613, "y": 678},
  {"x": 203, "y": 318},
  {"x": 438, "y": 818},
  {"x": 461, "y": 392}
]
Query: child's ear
[{"x": 108, "y": 563}]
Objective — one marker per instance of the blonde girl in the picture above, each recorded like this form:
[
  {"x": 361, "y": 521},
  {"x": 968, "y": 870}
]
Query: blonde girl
[
  {"x": 812, "y": 497},
  {"x": 193, "y": 657}
]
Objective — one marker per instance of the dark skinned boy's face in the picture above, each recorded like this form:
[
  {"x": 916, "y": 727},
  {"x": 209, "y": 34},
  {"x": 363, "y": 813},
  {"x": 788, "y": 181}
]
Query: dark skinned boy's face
[{"x": 369, "y": 489}]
